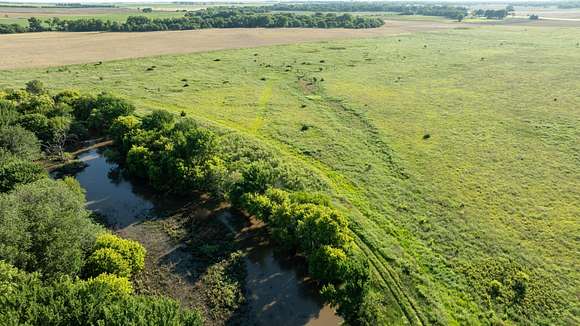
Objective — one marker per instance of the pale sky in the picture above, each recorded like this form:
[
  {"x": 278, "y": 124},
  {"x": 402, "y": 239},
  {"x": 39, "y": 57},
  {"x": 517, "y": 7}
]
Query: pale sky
[{"x": 160, "y": 1}]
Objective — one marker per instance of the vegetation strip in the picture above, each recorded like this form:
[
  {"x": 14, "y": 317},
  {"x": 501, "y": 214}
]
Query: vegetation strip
[{"x": 251, "y": 17}]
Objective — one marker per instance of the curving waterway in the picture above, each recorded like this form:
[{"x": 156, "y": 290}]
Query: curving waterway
[{"x": 278, "y": 291}]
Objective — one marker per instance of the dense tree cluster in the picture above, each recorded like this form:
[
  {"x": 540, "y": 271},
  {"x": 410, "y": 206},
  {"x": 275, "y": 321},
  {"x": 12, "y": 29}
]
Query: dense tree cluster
[
  {"x": 307, "y": 223},
  {"x": 221, "y": 17},
  {"x": 452, "y": 12},
  {"x": 57, "y": 266},
  {"x": 175, "y": 154},
  {"x": 55, "y": 120},
  {"x": 47, "y": 235},
  {"x": 491, "y": 13},
  {"x": 27, "y": 299}
]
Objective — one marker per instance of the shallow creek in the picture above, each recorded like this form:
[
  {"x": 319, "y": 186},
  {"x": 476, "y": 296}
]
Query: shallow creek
[{"x": 278, "y": 292}]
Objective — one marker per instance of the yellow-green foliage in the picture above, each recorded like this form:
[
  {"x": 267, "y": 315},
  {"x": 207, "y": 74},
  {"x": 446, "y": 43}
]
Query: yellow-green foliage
[
  {"x": 115, "y": 284},
  {"x": 131, "y": 251},
  {"x": 327, "y": 263},
  {"x": 105, "y": 300},
  {"x": 110, "y": 261}
]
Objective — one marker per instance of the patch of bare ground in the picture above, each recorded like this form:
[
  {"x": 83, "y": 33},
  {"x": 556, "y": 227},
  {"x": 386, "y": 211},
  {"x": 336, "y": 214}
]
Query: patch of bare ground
[
  {"x": 58, "y": 48},
  {"x": 192, "y": 258}
]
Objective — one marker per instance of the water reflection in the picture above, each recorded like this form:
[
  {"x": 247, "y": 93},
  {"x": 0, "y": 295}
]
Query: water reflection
[
  {"x": 278, "y": 291},
  {"x": 109, "y": 193}
]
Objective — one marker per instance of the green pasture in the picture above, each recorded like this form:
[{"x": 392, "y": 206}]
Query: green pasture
[
  {"x": 457, "y": 153},
  {"x": 22, "y": 18}
]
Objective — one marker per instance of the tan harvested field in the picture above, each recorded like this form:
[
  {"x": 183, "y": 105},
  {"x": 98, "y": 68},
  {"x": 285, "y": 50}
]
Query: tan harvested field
[
  {"x": 58, "y": 11},
  {"x": 57, "y": 48},
  {"x": 549, "y": 12}
]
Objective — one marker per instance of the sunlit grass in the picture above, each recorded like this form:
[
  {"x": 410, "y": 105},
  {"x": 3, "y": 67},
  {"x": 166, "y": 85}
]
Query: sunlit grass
[{"x": 497, "y": 177}]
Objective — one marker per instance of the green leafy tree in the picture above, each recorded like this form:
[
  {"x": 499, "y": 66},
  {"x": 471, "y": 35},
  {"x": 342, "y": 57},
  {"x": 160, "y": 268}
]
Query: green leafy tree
[
  {"x": 121, "y": 130},
  {"x": 8, "y": 112},
  {"x": 106, "y": 108},
  {"x": 35, "y": 87},
  {"x": 35, "y": 24},
  {"x": 19, "y": 142},
  {"x": 36, "y": 123},
  {"x": 158, "y": 120},
  {"x": 103, "y": 300},
  {"x": 15, "y": 171},
  {"x": 45, "y": 227}
]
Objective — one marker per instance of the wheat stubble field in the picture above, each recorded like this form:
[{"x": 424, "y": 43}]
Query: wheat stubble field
[{"x": 53, "y": 48}]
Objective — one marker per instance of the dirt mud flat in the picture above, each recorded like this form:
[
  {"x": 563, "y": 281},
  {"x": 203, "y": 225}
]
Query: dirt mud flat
[{"x": 57, "y": 48}]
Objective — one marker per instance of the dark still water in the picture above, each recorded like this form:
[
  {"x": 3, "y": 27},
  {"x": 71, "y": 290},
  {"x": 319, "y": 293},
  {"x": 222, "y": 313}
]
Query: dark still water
[
  {"x": 277, "y": 290},
  {"x": 121, "y": 201}
]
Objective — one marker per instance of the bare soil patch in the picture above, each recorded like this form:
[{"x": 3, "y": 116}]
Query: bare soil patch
[
  {"x": 55, "y": 48},
  {"x": 192, "y": 258}
]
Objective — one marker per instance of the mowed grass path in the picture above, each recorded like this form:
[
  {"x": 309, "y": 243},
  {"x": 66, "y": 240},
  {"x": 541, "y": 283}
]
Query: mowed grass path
[{"x": 495, "y": 186}]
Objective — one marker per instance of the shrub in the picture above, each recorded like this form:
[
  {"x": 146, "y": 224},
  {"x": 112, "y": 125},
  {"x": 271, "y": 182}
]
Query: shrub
[
  {"x": 132, "y": 251},
  {"x": 15, "y": 171},
  {"x": 45, "y": 227},
  {"x": 19, "y": 142},
  {"x": 35, "y": 87},
  {"x": 106, "y": 108},
  {"x": 519, "y": 284},
  {"x": 108, "y": 260},
  {"x": 118, "y": 286},
  {"x": 104, "y": 300},
  {"x": 158, "y": 120},
  {"x": 327, "y": 264}
]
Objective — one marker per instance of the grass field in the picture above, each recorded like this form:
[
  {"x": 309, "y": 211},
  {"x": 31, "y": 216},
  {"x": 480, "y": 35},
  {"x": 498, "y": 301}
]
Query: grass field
[
  {"x": 10, "y": 16},
  {"x": 456, "y": 152},
  {"x": 58, "y": 48}
]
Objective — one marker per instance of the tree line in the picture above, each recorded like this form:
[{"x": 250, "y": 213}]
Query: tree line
[
  {"x": 176, "y": 155},
  {"x": 48, "y": 238},
  {"x": 452, "y": 12},
  {"x": 491, "y": 13},
  {"x": 200, "y": 19},
  {"x": 58, "y": 266}
]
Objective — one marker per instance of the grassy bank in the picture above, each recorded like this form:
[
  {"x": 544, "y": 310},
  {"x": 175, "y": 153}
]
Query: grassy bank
[{"x": 456, "y": 152}]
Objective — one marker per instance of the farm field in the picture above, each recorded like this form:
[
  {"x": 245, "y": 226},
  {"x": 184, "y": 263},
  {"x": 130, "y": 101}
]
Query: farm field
[
  {"x": 54, "y": 48},
  {"x": 456, "y": 152},
  {"x": 15, "y": 15}
]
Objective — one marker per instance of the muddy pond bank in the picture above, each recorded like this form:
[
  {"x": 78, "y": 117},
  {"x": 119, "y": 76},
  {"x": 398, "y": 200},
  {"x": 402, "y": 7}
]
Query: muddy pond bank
[{"x": 204, "y": 254}]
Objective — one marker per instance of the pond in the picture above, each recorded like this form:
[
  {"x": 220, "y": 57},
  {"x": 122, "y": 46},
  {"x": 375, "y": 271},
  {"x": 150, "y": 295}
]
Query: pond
[{"x": 278, "y": 292}]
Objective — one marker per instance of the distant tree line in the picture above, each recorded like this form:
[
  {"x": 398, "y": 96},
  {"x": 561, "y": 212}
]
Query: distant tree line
[
  {"x": 491, "y": 13},
  {"x": 452, "y": 12},
  {"x": 201, "y": 19},
  {"x": 568, "y": 5}
]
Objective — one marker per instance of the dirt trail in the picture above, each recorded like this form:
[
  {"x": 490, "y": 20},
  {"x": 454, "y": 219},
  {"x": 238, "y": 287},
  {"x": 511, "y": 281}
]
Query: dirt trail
[{"x": 58, "y": 48}]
